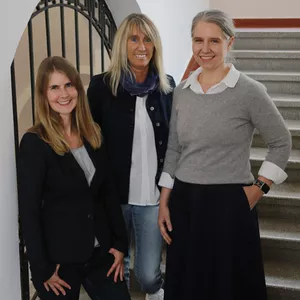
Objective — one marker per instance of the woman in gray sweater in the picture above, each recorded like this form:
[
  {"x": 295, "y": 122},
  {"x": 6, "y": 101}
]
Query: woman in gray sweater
[{"x": 208, "y": 217}]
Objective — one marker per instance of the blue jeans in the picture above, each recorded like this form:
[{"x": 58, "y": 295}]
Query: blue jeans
[{"x": 141, "y": 224}]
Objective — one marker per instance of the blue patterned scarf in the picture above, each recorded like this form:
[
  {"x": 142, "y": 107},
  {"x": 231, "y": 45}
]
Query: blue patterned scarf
[{"x": 139, "y": 89}]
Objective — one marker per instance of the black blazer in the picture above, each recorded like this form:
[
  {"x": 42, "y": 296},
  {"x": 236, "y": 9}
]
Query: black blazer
[
  {"x": 60, "y": 213},
  {"x": 116, "y": 116}
]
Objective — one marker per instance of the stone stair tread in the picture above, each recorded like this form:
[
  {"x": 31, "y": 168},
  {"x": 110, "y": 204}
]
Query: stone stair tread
[
  {"x": 273, "y": 75},
  {"x": 289, "y": 54},
  {"x": 283, "y": 274},
  {"x": 285, "y": 100},
  {"x": 292, "y": 125},
  {"x": 279, "y": 229},
  {"x": 285, "y": 190},
  {"x": 259, "y": 154}
]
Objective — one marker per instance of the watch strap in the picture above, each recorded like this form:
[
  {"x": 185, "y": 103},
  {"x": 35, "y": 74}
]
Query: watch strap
[{"x": 262, "y": 185}]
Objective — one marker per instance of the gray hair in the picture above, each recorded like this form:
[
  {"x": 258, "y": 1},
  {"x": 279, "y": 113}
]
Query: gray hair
[{"x": 218, "y": 17}]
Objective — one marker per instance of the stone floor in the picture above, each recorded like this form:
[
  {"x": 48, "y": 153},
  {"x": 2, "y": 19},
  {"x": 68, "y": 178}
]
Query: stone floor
[{"x": 134, "y": 296}]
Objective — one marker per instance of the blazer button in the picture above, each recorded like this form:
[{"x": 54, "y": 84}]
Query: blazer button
[
  {"x": 90, "y": 216},
  {"x": 152, "y": 108},
  {"x": 157, "y": 124},
  {"x": 160, "y": 142},
  {"x": 161, "y": 160}
]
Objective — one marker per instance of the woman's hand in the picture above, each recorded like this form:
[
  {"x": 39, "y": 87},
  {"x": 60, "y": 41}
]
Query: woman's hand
[
  {"x": 253, "y": 193},
  {"x": 56, "y": 284},
  {"x": 118, "y": 265},
  {"x": 164, "y": 222}
]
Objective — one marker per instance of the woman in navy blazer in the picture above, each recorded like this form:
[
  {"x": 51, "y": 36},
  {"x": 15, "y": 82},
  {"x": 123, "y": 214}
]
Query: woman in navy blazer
[
  {"x": 71, "y": 218},
  {"x": 132, "y": 103}
]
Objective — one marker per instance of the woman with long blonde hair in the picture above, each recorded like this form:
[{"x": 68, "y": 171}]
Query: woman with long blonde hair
[
  {"x": 132, "y": 104},
  {"x": 72, "y": 224}
]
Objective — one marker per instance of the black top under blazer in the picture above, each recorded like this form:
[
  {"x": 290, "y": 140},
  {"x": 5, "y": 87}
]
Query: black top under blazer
[
  {"x": 116, "y": 116},
  {"x": 60, "y": 213}
]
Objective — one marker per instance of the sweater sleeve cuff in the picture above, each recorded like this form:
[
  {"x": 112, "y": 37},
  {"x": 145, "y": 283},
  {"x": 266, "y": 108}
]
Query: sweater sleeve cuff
[
  {"x": 272, "y": 172},
  {"x": 166, "y": 180}
]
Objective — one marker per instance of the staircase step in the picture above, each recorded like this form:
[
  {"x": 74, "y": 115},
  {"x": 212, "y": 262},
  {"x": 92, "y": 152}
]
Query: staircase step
[
  {"x": 267, "y": 54},
  {"x": 267, "y": 39},
  {"x": 267, "y": 60},
  {"x": 277, "y": 229},
  {"x": 282, "y": 201},
  {"x": 257, "y": 156},
  {"x": 274, "y": 76},
  {"x": 294, "y": 128},
  {"x": 283, "y": 280},
  {"x": 285, "y": 191},
  {"x": 278, "y": 82},
  {"x": 288, "y": 105},
  {"x": 280, "y": 239},
  {"x": 286, "y": 100}
]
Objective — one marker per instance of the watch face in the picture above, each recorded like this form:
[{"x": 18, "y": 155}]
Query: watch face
[{"x": 262, "y": 185}]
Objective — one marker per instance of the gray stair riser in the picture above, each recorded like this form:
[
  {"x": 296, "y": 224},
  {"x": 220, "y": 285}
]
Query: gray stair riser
[
  {"x": 280, "y": 293},
  {"x": 263, "y": 64},
  {"x": 277, "y": 251},
  {"x": 287, "y": 212},
  {"x": 290, "y": 113},
  {"x": 259, "y": 142},
  {"x": 267, "y": 43},
  {"x": 282, "y": 87},
  {"x": 287, "y": 207}
]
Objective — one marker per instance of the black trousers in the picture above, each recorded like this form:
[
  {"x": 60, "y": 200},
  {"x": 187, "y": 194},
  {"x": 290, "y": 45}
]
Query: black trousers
[
  {"x": 92, "y": 276},
  {"x": 215, "y": 251}
]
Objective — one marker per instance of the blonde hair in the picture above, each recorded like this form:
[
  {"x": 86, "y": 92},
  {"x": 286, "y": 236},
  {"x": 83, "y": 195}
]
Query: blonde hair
[
  {"x": 119, "y": 61},
  {"x": 48, "y": 123}
]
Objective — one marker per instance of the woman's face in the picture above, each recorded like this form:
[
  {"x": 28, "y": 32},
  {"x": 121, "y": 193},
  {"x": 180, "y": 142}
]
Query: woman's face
[
  {"x": 210, "y": 45},
  {"x": 139, "y": 50},
  {"x": 61, "y": 94}
]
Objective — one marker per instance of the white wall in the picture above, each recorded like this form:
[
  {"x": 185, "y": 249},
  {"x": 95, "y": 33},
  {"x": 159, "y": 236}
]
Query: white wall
[
  {"x": 122, "y": 8},
  {"x": 259, "y": 8},
  {"x": 173, "y": 19},
  {"x": 9, "y": 257}
]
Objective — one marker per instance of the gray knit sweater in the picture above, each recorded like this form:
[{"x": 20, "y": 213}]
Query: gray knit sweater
[{"x": 211, "y": 134}]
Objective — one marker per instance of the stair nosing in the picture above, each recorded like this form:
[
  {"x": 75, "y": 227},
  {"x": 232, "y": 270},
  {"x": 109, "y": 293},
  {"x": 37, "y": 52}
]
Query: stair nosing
[
  {"x": 266, "y": 54},
  {"x": 292, "y": 160}
]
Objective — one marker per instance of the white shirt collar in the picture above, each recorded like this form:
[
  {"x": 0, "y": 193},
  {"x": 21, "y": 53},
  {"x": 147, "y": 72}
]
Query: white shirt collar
[{"x": 230, "y": 80}]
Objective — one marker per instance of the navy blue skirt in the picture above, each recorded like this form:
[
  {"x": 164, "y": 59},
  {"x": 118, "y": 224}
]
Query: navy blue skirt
[{"x": 215, "y": 252}]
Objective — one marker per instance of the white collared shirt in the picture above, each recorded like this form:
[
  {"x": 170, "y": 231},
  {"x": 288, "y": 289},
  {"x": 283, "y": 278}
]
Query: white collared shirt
[
  {"x": 142, "y": 188},
  {"x": 230, "y": 80},
  {"x": 267, "y": 169}
]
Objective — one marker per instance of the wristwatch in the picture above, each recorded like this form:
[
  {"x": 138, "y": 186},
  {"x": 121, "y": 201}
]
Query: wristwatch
[{"x": 262, "y": 185}]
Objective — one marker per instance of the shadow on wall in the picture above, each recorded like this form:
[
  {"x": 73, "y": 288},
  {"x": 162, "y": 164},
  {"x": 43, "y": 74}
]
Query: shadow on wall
[{"x": 122, "y": 8}]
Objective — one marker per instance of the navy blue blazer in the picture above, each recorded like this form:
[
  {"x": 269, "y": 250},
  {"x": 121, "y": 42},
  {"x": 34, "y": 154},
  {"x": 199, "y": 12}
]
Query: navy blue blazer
[
  {"x": 116, "y": 116},
  {"x": 60, "y": 213}
]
